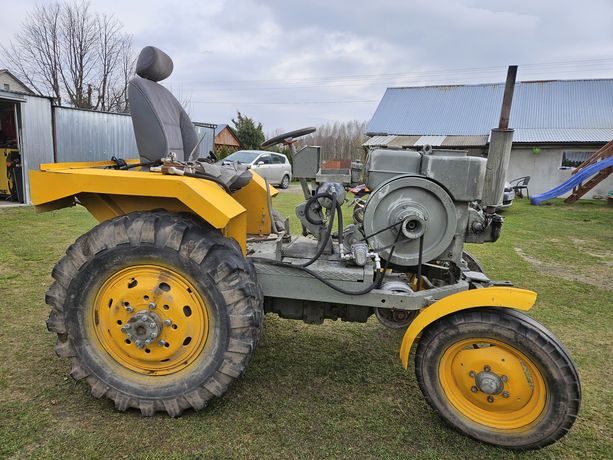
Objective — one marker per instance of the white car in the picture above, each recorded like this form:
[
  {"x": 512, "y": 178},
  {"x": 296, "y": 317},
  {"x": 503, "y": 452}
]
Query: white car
[{"x": 274, "y": 167}]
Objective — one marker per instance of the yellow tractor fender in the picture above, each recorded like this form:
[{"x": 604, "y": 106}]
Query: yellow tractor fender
[{"x": 507, "y": 297}]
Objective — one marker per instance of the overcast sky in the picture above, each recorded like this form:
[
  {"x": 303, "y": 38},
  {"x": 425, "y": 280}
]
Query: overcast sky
[{"x": 295, "y": 63}]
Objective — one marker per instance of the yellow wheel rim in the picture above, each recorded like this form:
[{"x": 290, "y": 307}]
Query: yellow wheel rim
[
  {"x": 150, "y": 319},
  {"x": 492, "y": 383}
]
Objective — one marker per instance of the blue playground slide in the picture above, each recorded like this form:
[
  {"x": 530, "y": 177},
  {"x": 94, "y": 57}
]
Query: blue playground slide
[{"x": 573, "y": 181}]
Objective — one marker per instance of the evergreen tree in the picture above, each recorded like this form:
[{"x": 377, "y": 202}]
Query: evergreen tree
[{"x": 248, "y": 132}]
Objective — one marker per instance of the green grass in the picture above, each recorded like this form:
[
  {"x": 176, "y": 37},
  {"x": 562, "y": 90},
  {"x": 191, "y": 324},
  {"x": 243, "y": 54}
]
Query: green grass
[{"x": 335, "y": 390}]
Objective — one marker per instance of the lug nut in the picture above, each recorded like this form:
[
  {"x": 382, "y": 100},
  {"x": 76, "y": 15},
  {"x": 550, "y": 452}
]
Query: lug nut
[
  {"x": 490, "y": 399},
  {"x": 504, "y": 378},
  {"x": 472, "y": 374},
  {"x": 505, "y": 394},
  {"x": 487, "y": 368},
  {"x": 162, "y": 343},
  {"x": 126, "y": 328},
  {"x": 151, "y": 325},
  {"x": 474, "y": 389},
  {"x": 152, "y": 305},
  {"x": 129, "y": 308},
  {"x": 167, "y": 322}
]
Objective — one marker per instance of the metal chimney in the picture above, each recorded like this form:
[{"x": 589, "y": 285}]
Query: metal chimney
[{"x": 501, "y": 141}]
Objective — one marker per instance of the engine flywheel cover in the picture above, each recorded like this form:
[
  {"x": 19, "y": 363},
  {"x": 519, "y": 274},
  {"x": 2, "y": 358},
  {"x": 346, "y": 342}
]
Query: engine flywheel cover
[{"x": 410, "y": 197}]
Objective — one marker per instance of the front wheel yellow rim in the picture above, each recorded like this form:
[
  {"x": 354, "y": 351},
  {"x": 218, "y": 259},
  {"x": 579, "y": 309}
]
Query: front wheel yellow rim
[
  {"x": 492, "y": 383},
  {"x": 150, "y": 319}
]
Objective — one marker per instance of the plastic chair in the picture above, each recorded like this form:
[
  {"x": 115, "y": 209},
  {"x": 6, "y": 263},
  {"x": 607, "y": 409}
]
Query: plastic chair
[{"x": 520, "y": 184}]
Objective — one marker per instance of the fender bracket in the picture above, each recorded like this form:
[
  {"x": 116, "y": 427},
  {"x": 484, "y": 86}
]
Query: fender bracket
[{"x": 506, "y": 297}]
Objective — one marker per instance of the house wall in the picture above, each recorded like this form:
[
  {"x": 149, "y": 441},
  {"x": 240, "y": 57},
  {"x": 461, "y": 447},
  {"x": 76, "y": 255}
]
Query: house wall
[
  {"x": 544, "y": 168},
  {"x": 14, "y": 85}
]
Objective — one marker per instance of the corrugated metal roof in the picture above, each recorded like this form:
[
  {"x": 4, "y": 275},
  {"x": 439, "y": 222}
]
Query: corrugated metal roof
[
  {"x": 551, "y": 107},
  {"x": 436, "y": 141},
  {"x": 563, "y": 135}
]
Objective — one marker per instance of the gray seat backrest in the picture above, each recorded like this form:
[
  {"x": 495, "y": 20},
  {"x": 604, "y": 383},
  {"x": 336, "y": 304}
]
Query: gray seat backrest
[{"x": 160, "y": 124}]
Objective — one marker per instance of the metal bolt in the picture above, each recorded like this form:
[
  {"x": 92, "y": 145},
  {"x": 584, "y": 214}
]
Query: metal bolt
[
  {"x": 139, "y": 344},
  {"x": 126, "y": 328},
  {"x": 474, "y": 389},
  {"x": 487, "y": 368},
  {"x": 152, "y": 335},
  {"x": 505, "y": 394},
  {"x": 152, "y": 305},
  {"x": 472, "y": 374},
  {"x": 167, "y": 322},
  {"x": 129, "y": 308},
  {"x": 504, "y": 378},
  {"x": 490, "y": 399},
  {"x": 152, "y": 325},
  {"x": 162, "y": 343}
]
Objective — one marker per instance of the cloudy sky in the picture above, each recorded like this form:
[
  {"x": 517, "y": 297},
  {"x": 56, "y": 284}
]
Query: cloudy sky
[{"x": 297, "y": 63}]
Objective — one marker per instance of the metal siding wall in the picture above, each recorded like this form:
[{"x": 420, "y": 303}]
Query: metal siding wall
[
  {"x": 84, "y": 135},
  {"x": 208, "y": 142},
  {"x": 36, "y": 137}
]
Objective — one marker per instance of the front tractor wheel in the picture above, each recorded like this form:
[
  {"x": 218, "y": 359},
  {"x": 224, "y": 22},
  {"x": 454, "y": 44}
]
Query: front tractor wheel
[
  {"x": 498, "y": 376},
  {"x": 157, "y": 311}
]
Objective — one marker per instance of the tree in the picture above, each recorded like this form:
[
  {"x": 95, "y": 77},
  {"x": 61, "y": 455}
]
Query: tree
[
  {"x": 339, "y": 140},
  {"x": 78, "y": 57},
  {"x": 250, "y": 134}
]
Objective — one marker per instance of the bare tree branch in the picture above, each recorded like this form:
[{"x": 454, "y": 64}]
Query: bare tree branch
[{"x": 67, "y": 51}]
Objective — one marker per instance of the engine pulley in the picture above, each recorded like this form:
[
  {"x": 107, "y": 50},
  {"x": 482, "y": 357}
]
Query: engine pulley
[{"x": 420, "y": 208}]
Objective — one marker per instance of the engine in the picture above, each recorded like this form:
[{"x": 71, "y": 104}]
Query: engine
[{"x": 423, "y": 206}]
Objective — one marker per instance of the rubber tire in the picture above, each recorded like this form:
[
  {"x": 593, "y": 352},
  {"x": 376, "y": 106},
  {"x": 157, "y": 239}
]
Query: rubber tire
[
  {"x": 528, "y": 336},
  {"x": 212, "y": 263},
  {"x": 284, "y": 182}
]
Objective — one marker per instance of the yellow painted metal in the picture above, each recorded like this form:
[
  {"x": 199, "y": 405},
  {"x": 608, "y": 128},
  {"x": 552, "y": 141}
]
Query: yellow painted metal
[
  {"x": 508, "y": 297},
  {"x": 175, "y": 299},
  {"x": 108, "y": 193},
  {"x": 524, "y": 388},
  {"x": 254, "y": 198},
  {"x": 81, "y": 165},
  {"x": 6, "y": 182}
]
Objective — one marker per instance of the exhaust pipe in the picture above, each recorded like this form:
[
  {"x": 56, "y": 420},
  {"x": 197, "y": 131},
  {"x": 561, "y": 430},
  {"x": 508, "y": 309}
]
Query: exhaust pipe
[{"x": 499, "y": 153}]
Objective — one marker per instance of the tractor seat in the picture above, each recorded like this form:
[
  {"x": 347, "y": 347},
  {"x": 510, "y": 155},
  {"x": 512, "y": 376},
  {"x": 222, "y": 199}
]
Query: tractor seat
[{"x": 162, "y": 126}]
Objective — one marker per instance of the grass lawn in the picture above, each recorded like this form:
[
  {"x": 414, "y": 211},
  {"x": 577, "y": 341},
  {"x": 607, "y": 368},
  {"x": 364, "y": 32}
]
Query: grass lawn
[{"x": 335, "y": 390}]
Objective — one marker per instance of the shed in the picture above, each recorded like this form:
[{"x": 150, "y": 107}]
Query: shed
[
  {"x": 34, "y": 131},
  {"x": 557, "y": 123},
  {"x": 225, "y": 137}
]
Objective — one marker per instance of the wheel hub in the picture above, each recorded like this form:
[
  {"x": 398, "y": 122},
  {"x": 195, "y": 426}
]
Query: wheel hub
[
  {"x": 489, "y": 383},
  {"x": 143, "y": 328},
  {"x": 150, "y": 319}
]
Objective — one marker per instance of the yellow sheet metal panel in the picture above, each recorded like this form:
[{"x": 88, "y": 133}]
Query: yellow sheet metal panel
[
  {"x": 81, "y": 165},
  {"x": 507, "y": 297},
  {"x": 254, "y": 198},
  {"x": 108, "y": 193}
]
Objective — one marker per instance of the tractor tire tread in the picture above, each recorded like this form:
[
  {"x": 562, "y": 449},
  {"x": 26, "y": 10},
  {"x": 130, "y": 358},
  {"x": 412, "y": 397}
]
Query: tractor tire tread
[
  {"x": 520, "y": 325},
  {"x": 196, "y": 241}
]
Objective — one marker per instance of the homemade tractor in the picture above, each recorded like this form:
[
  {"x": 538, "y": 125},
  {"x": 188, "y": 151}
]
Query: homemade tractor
[{"x": 160, "y": 306}]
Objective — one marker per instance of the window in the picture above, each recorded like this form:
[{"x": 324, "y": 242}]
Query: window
[
  {"x": 278, "y": 159},
  {"x": 7, "y": 87},
  {"x": 264, "y": 159},
  {"x": 572, "y": 159}
]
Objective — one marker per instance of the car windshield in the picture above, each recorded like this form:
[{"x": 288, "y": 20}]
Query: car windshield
[{"x": 242, "y": 157}]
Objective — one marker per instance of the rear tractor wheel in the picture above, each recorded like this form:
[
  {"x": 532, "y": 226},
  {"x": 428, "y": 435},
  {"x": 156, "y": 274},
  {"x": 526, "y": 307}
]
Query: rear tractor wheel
[
  {"x": 498, "y": 376},
  {"x": 157, "y": 311}
]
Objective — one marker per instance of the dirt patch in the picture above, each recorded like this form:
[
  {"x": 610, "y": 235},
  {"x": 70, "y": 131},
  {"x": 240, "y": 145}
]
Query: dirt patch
[{"x": 596, "y": 276}]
